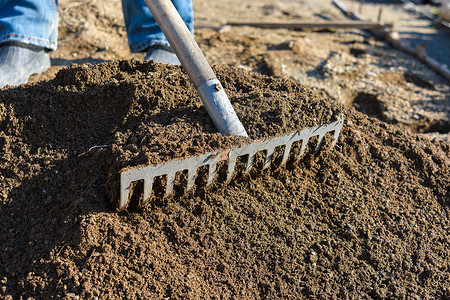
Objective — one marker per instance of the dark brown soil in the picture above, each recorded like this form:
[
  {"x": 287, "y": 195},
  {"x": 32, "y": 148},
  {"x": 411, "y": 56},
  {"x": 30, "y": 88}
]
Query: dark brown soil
[{"x": 368, "y": 218}]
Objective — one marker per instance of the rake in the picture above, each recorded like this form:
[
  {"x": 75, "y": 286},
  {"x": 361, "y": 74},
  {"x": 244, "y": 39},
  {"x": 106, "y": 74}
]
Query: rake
[{"x": 222, "y": 114}]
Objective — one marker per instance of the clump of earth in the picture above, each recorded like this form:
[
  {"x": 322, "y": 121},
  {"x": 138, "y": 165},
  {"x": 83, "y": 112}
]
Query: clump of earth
[{"x": 367, "y": 217}]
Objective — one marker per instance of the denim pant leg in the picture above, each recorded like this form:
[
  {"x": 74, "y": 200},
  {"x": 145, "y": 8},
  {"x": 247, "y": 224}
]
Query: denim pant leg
[
  {"x": 33, "y": 22},
  {"x": 142, "y": 29}
]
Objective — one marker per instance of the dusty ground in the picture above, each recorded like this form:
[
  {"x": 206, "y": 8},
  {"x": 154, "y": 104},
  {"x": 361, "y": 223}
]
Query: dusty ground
[{"x": 365, "y": 219}]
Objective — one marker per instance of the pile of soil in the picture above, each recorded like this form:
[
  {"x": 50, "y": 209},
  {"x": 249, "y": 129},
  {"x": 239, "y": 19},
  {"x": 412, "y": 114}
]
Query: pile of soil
[
  {"x": 349, "y": 66},
  {"x": 367, "y": 218}
]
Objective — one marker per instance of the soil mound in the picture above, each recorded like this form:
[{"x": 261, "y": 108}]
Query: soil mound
[{"x": 368, "y": 218}]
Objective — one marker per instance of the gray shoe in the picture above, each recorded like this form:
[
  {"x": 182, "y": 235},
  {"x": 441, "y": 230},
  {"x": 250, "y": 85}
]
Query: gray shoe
[
  {"x": 162, "y": 54},
  {"x": 18, "y": 62}
]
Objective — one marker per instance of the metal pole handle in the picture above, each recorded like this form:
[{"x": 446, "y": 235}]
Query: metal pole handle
[{"x": 197, "y": 67}]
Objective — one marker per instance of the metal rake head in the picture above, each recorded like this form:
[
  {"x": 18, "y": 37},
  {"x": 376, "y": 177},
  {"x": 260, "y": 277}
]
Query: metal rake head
[{"x": 169, "y": 169}]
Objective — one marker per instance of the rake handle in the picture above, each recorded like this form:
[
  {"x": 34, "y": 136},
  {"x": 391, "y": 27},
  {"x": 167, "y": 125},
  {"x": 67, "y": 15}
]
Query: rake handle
[{"x": 197, "y": 67}]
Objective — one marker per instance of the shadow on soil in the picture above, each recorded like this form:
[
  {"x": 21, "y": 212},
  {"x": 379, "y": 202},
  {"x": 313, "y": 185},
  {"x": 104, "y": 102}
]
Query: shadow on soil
[
  {"x": 41, "y": 215},
  {"x": 368, "y": 104},
  {"x": 41, "y": 219}
]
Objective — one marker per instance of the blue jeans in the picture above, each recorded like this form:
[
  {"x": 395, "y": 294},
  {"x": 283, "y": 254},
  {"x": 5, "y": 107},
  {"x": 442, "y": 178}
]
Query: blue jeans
[
  {"x": 142, "y": 29},
  {"x": 35, "y": 22}
]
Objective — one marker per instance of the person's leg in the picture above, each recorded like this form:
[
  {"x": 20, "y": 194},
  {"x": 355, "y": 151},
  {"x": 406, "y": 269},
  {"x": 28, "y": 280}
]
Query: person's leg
[
  {"x": 144, "y": 33},
  {"x": 32, "y": 22},
  {"x": 28, "y": 30}
]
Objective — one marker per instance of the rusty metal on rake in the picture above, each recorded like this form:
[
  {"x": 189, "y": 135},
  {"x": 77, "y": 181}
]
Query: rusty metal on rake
[{"x": 169, "y": 169}]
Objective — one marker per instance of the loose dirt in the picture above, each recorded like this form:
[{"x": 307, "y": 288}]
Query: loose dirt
[{"x": 367, "y": 218}]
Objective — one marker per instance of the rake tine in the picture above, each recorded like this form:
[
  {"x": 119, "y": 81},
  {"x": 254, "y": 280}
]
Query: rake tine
[
  {"x": 211, "y": 174},
  {"x": 286, "y": 152},
  {"x": 170, "y": 181},
  {"x": 231, "y": 164},
  {"x": 124, "y": 190},
  {"x": 148, "y": 187},
  {"x": 319, "y": 143},
  {"x": 191, "y": 178},
  {"x": 250, "y": 161},
  {"x": 336, "y": 136},
  {"x": 303, "y": 147},
  {"x": 212, "y": 165},
  {"x": 269, "y": 156}
]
